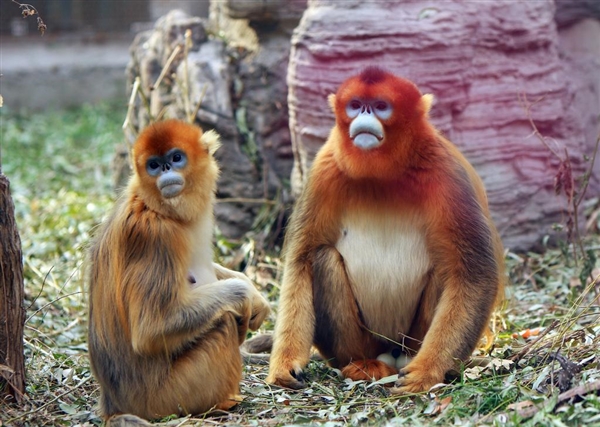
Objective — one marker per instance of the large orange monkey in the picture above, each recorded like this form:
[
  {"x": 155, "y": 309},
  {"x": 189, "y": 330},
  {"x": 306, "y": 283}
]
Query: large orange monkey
[
  {"x": 165, "y": 322},
  {"x": 390, "y": 246}
]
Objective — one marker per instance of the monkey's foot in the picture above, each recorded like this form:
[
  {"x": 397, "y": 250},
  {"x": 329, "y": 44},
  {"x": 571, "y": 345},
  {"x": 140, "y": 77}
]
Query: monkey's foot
[
  {"x": 230, "y": 402},
  {"x": 414, "y": 380},
  {"x": 288, "y": 378},
  {"x": 369, "y": 370}
]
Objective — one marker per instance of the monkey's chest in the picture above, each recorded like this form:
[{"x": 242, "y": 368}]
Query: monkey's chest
[
  {"x": 387, "y": 262},
  {"x": 201, "y": 267}
]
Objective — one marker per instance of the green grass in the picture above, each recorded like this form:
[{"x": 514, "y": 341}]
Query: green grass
[{"x": 59, "y": 167}]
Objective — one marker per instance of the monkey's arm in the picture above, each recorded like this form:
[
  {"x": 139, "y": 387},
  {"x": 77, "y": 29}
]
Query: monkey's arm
[
  {"x": 312, "y": 225},
  {"x": 166, "y": 321},
  {"x": 294, "y": 329},
  {"x": 462, "y": 243}
]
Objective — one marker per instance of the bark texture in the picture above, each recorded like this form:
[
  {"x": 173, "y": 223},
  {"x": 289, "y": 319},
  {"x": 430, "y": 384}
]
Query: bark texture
[{"x": 12, "y": 313}]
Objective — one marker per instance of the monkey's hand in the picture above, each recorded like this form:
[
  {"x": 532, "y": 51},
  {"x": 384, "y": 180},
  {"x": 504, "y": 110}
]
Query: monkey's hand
[
  {"x": 252, "y": 310},
  {"x": 260, "y": 310},
  {"x": 241, "y": 308},
  {"x": 288, "y": 375},
  {"x": 259, "y": 306},
  {"x": 418, "y": 377}
]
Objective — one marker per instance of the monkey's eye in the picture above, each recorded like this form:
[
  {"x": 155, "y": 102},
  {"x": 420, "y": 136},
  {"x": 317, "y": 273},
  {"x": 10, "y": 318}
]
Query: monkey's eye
[
  {"x": 383, "y": 110},
  {"x": 153, "y": 167},
  {"x": 178, "y": 159},
  {"x": 353, "y": 108},
  {"x": 381, "y": 106}
]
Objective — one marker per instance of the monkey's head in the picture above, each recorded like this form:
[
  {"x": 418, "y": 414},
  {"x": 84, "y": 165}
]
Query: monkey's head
[
  {"x": 174, "y": 165},
  {"x": 379, "y": 117}
]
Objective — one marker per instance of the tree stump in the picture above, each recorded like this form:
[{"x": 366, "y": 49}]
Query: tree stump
[{"x": 12, "y": 313}]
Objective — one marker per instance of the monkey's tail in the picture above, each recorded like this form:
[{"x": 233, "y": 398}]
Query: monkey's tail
[
  {"x": 254, "y": 351},
  {"x": 260, "y": 343}
]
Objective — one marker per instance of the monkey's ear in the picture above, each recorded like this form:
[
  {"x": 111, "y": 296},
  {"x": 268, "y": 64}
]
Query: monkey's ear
[
  {"x": 210, "y": 139},
  {"x": 426, "y": 102},
  {"x": 331, "y": 101}
]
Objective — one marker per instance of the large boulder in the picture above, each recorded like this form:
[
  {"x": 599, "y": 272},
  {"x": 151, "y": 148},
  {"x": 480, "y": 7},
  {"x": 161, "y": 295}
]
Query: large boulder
[
  {"x": 492, "y": 67},
  {"x": 579, "y": 50},
  {"x": 260, "y": 75}
]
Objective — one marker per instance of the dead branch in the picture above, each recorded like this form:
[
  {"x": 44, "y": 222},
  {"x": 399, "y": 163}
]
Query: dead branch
[{"x": 28, "y": 10}]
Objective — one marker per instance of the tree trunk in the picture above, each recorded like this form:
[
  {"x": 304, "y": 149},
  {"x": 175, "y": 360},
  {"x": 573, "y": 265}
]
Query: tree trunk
[{"x": 12, "y": 313}]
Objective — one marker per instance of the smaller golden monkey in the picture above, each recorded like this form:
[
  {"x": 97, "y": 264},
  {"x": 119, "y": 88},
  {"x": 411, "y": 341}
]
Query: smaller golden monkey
[{"x": 165, "y": 322}]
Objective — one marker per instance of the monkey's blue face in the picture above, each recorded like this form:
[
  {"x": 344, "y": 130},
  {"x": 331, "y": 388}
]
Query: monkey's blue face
[
  {"x": 167, "y": 168},
  {"x": 366, "y": 130}
]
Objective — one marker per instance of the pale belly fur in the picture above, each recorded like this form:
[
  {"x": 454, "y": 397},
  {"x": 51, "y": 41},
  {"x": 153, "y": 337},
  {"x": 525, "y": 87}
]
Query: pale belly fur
[
  {"x": 386, "y": 260},
  {"x": 201, "y": 267}
]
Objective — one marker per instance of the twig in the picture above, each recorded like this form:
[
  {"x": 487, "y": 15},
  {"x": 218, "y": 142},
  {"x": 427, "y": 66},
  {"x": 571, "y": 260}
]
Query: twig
[
  {"x": 564, "y": 179},
  {"x": 246, "y": 200},
  {"x": 588, "y": 173},
  {"x": 37, "y": 347},
  {"x": 127, "y": 123},
  {"x": 50, "y": 303},
  {"x": 65, "y": 329},
  {"x": 577, "y": 391},
  {"x": 154, "y": 93},
  {"x": 70, "y": 390},
  {"x": 199, "y": 102},
  {"x": 131, "y": 103},
  {"x": 529, "y": 346},
  {"x": 527, "y": 106},
  {"x": 28, "y": 10},
  {"x": 186, "y": 76},
  {"x": 166, "y": 68},
  {"x": 42, "y": 288}
]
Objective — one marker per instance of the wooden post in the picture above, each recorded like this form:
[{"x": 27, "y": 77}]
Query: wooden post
[{"x": 12, "y": 313}]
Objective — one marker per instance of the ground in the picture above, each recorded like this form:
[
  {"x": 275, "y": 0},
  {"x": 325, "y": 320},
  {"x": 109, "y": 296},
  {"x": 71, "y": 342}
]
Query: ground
[{"x": 543, "y": 368}]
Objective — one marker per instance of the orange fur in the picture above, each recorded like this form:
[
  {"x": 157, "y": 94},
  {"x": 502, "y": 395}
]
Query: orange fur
[
  {"x": 161, "y": 343},
  {"x": 367, "y": 370},
  {"x": 387, "y": 246}
]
